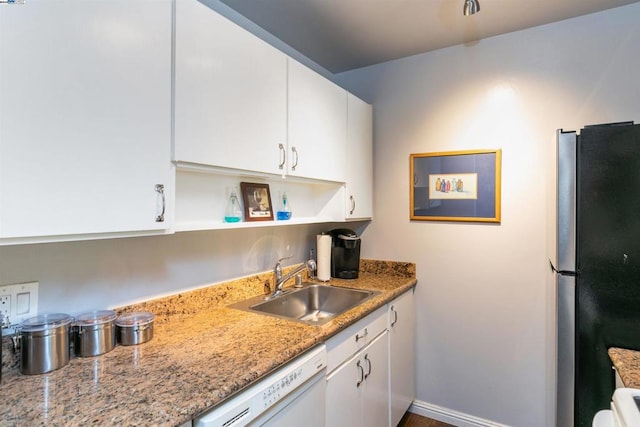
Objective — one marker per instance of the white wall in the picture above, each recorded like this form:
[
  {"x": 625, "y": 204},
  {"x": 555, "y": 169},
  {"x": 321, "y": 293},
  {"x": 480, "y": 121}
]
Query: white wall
[{"x": 485, "y": 295}]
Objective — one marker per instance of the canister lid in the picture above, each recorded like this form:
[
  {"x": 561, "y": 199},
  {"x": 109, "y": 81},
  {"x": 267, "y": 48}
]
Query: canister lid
[
  {"x": 137, "y": 318},
  {"x": 95, "y": 317},
  {"x": 45, "y": 322}
]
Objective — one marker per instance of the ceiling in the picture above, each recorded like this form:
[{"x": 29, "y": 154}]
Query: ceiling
[{"x": 342, "y": 35}]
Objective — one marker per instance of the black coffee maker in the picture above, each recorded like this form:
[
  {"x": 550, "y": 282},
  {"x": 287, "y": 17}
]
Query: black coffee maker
[{"x": 345, "y": 253}]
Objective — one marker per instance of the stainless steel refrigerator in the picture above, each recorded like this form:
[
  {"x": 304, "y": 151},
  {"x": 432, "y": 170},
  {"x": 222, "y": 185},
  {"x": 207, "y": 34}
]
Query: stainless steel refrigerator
[{"x": 598, "y": 265}]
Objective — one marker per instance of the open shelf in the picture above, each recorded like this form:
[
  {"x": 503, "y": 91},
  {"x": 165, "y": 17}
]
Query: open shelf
[
  {"x": 218, "y": 225},
  {"x": 201, "y": 195}
]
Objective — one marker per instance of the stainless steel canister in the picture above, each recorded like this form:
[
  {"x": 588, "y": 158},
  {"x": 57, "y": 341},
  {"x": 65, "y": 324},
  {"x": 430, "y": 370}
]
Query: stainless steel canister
[
  {"x": 44, "y": 343},
  {"x": 135, "y": 328},
  {"x": 94, "y": 333}
]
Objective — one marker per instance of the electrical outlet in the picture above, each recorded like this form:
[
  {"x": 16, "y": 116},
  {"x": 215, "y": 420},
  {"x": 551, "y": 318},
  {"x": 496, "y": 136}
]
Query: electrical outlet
[
  {"x": 5, "y": 306},
  {"x": 5, "y": 310}
]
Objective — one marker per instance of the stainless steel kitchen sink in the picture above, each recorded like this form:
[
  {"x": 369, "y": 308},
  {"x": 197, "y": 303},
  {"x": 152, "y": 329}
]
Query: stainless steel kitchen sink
[{"x": 313, "y": 304}]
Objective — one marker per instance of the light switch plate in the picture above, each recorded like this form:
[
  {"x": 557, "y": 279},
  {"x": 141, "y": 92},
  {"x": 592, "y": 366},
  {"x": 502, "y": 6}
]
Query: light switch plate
[
  {"x": 18, "y": 302},
  {"x": 23, "y": 303}
]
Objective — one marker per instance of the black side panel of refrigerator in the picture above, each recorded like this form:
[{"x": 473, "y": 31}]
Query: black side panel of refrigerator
[{"x": 608, "y": 260}]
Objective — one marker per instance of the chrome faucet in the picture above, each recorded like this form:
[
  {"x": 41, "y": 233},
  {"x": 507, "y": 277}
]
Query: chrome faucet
[{"x": 279, "y": 280}]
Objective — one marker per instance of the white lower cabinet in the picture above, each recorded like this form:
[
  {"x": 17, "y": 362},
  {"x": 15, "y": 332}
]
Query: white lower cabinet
[
  {"x": 371, "y": 367},
  {"x": 402, "y": 349},
  {"x": 357, "y": 391},
  {"x": 357, "y": 384},
  {"x": 370, "y": 374}
]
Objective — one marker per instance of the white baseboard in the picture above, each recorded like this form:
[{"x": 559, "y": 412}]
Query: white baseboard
[{"x": 449, "y": 416}]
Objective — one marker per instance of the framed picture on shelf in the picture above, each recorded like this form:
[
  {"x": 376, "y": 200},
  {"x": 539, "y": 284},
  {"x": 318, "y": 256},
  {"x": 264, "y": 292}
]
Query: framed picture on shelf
[
  {"x": 456, "y": 186},
  {"x": 257, "y": 201}
]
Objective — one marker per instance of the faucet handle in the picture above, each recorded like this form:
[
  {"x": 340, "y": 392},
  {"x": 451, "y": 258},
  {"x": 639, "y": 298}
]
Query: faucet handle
[
  {"x": 282, "y": 259},
  {"x": 278, "y": 269}
]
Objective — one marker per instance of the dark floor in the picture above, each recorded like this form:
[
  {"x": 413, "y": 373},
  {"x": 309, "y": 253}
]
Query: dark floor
[{"x": 413, "y": 420}]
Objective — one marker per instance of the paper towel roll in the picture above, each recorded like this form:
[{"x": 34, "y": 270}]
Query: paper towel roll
[{"x": 323, "y": 243}]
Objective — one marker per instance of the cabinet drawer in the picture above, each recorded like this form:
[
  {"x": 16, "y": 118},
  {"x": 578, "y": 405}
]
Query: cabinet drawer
[{"x": 355, "y": 337}]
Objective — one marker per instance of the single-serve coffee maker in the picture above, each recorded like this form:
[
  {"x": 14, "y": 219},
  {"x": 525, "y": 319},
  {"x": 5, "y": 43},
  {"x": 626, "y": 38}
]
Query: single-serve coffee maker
[{"x": 345, "y": 253}]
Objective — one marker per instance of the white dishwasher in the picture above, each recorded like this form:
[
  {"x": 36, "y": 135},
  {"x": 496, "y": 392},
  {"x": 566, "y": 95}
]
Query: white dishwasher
[{"x": 293, "y": 393}]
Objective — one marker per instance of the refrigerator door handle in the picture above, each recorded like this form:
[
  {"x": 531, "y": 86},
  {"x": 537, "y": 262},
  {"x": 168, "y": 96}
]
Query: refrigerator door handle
[{"x": 562, "y": 272}]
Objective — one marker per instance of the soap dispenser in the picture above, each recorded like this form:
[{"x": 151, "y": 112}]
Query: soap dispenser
[
  {"x": 233, "y": 212},
  {"x": 284, "y": 211}
]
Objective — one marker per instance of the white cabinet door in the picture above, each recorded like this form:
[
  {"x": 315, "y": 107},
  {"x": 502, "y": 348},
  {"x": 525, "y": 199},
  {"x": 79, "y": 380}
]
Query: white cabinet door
[
  {"x": 317, "y": 125},
  {"x": 358, "y": 390},
  {"x": 376, "y": 394},
  {"x": 359, "y": 159},
  {"x": 85, "y": 116},
  {"x": 402, "y": 328},
  {"x": 344, "y": 394},
  {"x": 230, "y": 94}
]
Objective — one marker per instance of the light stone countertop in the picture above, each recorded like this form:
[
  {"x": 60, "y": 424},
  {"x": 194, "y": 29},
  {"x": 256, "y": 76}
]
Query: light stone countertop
[
  {"x": 202, "y": 352},
  {"x": 627, "y": 363}
]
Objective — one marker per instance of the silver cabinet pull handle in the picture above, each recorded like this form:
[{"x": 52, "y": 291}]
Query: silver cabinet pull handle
[
  {"x": 363, "y": 336},
  {"x": 160, "y": 190},
  {"x": 295, "y": 158},
  {"x": 283, "y": 156},
  {"x": 395, "y": 316},
  {"x": 366, "y": 357},
  {"x": 362, "y": 376},
  {"x": 353, "y": 204}
]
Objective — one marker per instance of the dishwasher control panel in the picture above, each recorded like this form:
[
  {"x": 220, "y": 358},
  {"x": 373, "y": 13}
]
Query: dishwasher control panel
[
  {"x": 282, "y": 387},
  {"x": 264, "y": 394}
]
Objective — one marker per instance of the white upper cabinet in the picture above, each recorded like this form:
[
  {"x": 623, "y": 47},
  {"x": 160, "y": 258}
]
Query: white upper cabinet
[
  {"x": 238, "y": 106},
  {"x": 244, "y": 110},
  {"x": 230, "y": 94},
  {"x": 359, "y": 159},
  {"x": 317, "y": 125},
  {"x": 85, "y": 116}
]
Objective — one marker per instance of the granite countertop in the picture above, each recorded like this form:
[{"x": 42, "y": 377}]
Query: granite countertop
[
  {"x": 202, "y": 352},
  {"x": 627, "y": 363}
]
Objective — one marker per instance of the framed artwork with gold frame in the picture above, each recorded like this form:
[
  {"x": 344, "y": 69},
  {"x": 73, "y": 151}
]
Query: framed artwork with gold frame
[{"x": 456, "y": 186}]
